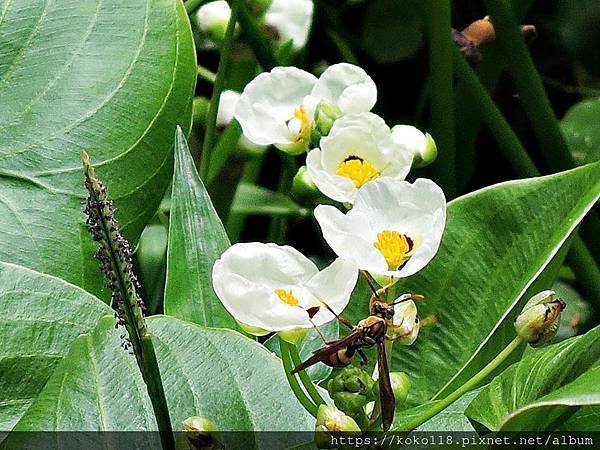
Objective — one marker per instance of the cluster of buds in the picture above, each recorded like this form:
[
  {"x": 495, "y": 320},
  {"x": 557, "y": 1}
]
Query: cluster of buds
[{"x": 351, "y": 389}]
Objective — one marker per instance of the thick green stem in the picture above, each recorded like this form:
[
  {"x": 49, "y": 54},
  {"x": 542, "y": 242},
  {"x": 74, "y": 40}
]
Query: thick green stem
[
  {"x": 211, "y": 119},
  {"x": 293, "y": 381},
  {"x": 529, "y": 86},
  {"x": 255, "y": 37},
  {"x": 474, "y": 382},
  {"x": 442, "y": 93},
  {"x": 306, "y": 381},
  {"x": 514, "y": 151},
  {"x": 206, "y": 74}
]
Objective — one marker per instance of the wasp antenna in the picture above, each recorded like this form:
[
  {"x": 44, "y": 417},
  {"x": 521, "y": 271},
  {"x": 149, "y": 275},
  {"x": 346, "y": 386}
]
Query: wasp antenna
[
  {"x": 408, "y": 296},
  {"x": 337, "y": 316},
  {"x": 369, "y": 279}
]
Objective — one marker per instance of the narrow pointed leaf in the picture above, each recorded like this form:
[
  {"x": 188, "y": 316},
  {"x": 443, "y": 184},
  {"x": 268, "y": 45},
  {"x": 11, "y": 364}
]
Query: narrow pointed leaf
[
  {"x": 536, "y": 392},
  {"x": 110, "y": 77},
  {"x": 41, "y": 317},
  {"x": 196, "y": 240}
]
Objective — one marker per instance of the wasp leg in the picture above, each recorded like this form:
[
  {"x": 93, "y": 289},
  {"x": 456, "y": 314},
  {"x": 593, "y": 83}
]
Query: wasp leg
[{"x": 363, "y": 357}]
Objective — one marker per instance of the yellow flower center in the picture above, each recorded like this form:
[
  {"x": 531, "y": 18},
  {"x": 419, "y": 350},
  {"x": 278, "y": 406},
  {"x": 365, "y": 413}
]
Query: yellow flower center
[
  {"x": 395, "y": 247},
  {"x": 358, "y": 170},
  {"x": 332, "y": 425},
  {"x": 287, "y": 297},
  {"x": 305, "y": 126}
]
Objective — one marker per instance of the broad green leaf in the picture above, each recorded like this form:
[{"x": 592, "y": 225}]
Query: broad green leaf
[
  {"x": 580, "y": 126},
  {"x": 196, "y": 240},
  {"x": 535, "y": 392},
  {"x": 41, "y": 317},
  {"x": 215, "y": 373},
  {"x": 450, "y": 419},
  {"x": 96, "y": 387},
  {"x": 255, "y": 200},
  {"x": 227, "y": 377},
  {"x": 109, "y": 77},
  {"x": 497, "y": 242}
]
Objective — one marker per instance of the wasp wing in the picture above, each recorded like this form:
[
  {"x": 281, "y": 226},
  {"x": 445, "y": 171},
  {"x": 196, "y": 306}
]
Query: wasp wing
[
  {"x": 386, "y": 394},
  {"x": 322, "y": 354}
]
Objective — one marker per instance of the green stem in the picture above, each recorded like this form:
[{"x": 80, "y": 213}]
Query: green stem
[
  {"x": 304, "y": 377},
  {"x": 277, "y": 227},
  {"x": 529, "y": 86},
  {"x": 478, "y": 378},
  {"x": 293, "y": 381},
  {"x": 442, "y": 93},
  {"x": 206, "y": 74},
  {"x": 255, "y": 37},
  {"x": 211, "y": 119},
  {"x": 193, "y": 5},
  {"x": 513, "y": 150}
]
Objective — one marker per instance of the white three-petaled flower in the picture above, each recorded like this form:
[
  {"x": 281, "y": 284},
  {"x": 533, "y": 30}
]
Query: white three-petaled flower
[
  {"x": 393, "y": 230},
  {"x": 267, "y": 287},
  {"x": 358, "y": 149},
  {"x": 278, "y": 107}
]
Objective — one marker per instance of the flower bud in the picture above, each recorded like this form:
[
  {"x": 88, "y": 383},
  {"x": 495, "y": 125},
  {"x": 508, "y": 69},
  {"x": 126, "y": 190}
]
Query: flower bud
[
  {"x": 332, "y": 420},
  {"x": 200, "y": 109},
  {"x": 351, "y": 389},
  {"x": 400, "y": 386},
  {"x": 404, "y": 328},
  {"x": 303, "y": 187},
  {"x": 539, "y": 321},
  {"x": 420, "y": 145},
  {"x": 325, "y": 114},
  {"x": 213, "y": 18},
  {"x": 202, "y": 433}
]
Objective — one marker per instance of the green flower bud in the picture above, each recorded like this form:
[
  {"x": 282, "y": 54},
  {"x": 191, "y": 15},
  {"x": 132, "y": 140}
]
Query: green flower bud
[
  {"x": 325, "y": 115},
  {"x": 303, "y": 187},
  {"x": 332, "y": 420},
  {"x": 539, "y": 321},
  {"x": 200, "y": 108},
  {"x": 421, "y": 145},
  {"x": 351, "y": 389},
  {"x": 202, "y": 433},
  {"x": 400, "y": 386}
]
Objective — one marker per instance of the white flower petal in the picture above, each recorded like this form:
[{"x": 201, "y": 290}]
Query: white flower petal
[
  {"x": 227, "y": 105},
  {"x": 333, "y": 285},
  {"x": 268, "y": 102},
  {"x": 350, "y": 237},
  {"x": 292, "y": 20},
  {"x": 213, "y": 14},
  {"x": 333, "y": 186},
  {"x": 347, "y": 86}
]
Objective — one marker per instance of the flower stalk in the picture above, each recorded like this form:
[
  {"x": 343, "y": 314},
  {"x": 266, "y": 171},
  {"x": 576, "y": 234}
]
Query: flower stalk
[
  {"x": 116, "y": 264},
  {"x": 304, "y": 377},
  {"x": 288, "y": 367}
]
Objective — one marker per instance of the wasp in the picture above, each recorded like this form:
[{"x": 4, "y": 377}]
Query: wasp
[{"x": 367, "y": 333}]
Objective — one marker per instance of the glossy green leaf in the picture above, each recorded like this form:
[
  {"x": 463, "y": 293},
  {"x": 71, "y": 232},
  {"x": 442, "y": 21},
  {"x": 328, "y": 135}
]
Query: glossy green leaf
[
  {"x": 227, "y": 377},
  {"x": 96, "y": 387},
  {"x": 536, "y": 392},
  {"x": 41, "y": 317},
  {"x": 109, "y": 77},
  {"x": 580, "y": 126},
  {"x": 255, "y": 200},
  {"x": 215, "y": 373},
  {"x": 196, "y": 240},
  {"x": 497, "y": 241}
]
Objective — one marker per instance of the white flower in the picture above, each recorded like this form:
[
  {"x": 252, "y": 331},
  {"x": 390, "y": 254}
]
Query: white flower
[
  {"x": 358, "y": 149},
  {"x": 227, "y": 103},
  {"x": 277, "y": 107},
  {"x": 393, "y": 230},
  {"x": 275, "y": 288},
  {"x": 420, "y": 145},
  {"x": 404, "y": 327},
  {"x": 212, "y": 19},
  {"x": 291, "y": 19}
]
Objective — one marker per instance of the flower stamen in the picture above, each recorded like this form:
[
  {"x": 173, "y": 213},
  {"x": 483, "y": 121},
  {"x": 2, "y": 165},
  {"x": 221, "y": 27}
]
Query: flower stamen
[
  {"x": 358, "y": 170},
  {"x": 287, "y": 297},
  {"x": 395, "y": 247}
]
